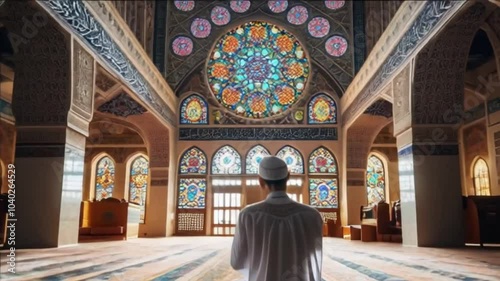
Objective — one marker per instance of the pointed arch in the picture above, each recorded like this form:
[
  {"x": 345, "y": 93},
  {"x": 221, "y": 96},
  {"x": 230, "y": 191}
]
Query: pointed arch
[
  {"x": 193, "y": 110},
  {"x": 322, "y": 160},
  {"x": 193, "y": 161},
  {"x": 481, "y": 174},
  {"x": 293, "y": 158},
  {"x": 322, "y": 109},
  {"x": 375, "y": 179},
  {"x": 137, "y": 182},
  {"x": 104, "y": 180},
  {"x": 226, "y": 161},
  {"x": 253, "y": 158}
]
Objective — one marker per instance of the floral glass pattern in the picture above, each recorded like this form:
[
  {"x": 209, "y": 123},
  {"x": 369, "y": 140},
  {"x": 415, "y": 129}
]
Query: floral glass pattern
[
  {"x": 254, "y": 157},
  {"x": 138, "y": 183},
  {"x": 105, "y": 178},
  {"x": 292, "y": 158},
  {"x": 220, "y": 16},
  {"x": 334, "y": 5},
  {"x": 240, "y": 6},
  {"x": 192, "y": 193},
  {"x": 194, "y": 110},
  {"x": 193, "y": 161},
  {"x": 322, "y": 161},
  {"x": 297, "y": 15},
  {"x": 323, "y": 193},
  {"x": 184, "y": 6},
  {"x": 375, "y": 180},
  {"x": 226, "y": 161},
  {"x": 336, "y": 46},
  {"x": 258, "y": 70},
  {"x": 201, "y": 28},
  {"x": 277, "y": 6},
  {"x": 318, "y": 27},
  {"x": 481, "y": 178},
  {"x": 182, "y": 46},
  {"x": 322, "y": 109}
]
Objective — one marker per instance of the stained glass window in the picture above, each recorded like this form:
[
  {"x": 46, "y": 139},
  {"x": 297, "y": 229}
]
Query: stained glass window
[
  {"x": 318, "y": 27},
  {"x": 220, "y": 16},
  {"x": 277, "y": 6},
  {"x": 184, "y": 6},
  {"x": 138, "y": 183},
  {"x": 334, "y": 5},
  {"x": 323, "y": 193},
  {"x": 192, "y": 193},
  {"x": 254, "y": 157},
  {"x": 226, "y": 161},
  {"x": 322, "y": 110},
  {"x": 375, "y": 180},
  {"x": 194, "y": 110},
  {"x": 297, "y": 15},
  {"x": 257, "y": 70},
  {"x": 193, "y": 161},
  {"x": 182, "y": 46},
  {"x": 322, "y": 161},
  {"x": 292, "y": 158},
  {"x": 201, "y": 28},
  {"x": 336, "y": 46},
  {"x": 240, "y": 6},
  {"x": 105, "y": 178},
  {"x": 481, "y": 178}
]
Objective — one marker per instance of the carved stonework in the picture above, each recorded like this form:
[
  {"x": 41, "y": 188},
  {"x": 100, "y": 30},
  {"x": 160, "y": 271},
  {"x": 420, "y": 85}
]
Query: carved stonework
[
  {"x": 438, "y": 89},
  {"x": 380, "y": 108},
  {"x": 83, "y": 82},
  {"x": 428, "y": 20},
  {"x": 83, "y": 23},
  {"x": 103, "y": 82},
  {"x": 401, "y": 93},
  {"x": 123, "y": 106},
  {"x": 307, "y": 133}
]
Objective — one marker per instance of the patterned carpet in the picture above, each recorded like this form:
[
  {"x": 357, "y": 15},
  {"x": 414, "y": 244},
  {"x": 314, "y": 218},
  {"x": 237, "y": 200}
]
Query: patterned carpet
[{"x": 207, "y": 259}]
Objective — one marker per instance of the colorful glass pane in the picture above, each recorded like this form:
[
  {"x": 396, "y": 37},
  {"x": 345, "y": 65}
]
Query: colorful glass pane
[
  {"x": 277, "y": 6},
  {"x": 254, "y": 157},
  {"x": 322, "y": 110},
  {"x": 258, "y": 70},
  {"x": 138, "y": 183},
  {"x": 481, "y": 178},
  {"x": 193, "y": 161},
  {"x": 184, "y": 6},
  {"x": 194, "y": 110},
  {"x": 322, "y": 161},
  {"x": 192, "y": 193},
  {"x": 105, "y": 178},
  {"x": 182, "y": 46},
  {"x": 297, "y": 15},
  {"x": 226, "y": 161},
  {"x": 318, "y": 27},
  {"x": 240, "y": 6},
  {"x": 375, "y": 180},
  {"x": 334, "y": 5},
  {"x": 201, "y": 28},
  {"x": 323, "y": 193},
  {"x": 220, "y": 15},
  {"x": 292, "y": 158},
  {"x": 336, "y": 46}
]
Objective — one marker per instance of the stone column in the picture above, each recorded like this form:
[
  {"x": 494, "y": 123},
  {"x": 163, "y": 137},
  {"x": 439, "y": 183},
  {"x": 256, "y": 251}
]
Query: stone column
[{"x": 52, "y": 104}]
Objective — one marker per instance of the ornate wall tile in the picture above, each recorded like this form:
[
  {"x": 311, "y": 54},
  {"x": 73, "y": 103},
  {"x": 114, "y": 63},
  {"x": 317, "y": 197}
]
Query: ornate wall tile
[
  {"x": 83, "y": 82},
  {"x": 123, "y": 106},
  {"x": 380, "y": 108},
  {"x": 198, "y": 134}
]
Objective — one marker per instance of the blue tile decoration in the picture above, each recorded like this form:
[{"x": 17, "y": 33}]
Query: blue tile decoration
[
  {"x": 83, "y": 23},
  {"x": 374, "y": 274},
  {"x": 206, "y": 134},
  {"x": 425, "y": 23},
  {"x": 183, "y": 270}
]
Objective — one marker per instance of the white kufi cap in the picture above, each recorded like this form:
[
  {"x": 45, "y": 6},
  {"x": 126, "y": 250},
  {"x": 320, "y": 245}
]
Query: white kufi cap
[{"x": 273, "y": 168}]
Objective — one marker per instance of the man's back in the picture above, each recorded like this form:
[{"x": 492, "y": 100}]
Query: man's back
[{"x": 279, "y": 239}]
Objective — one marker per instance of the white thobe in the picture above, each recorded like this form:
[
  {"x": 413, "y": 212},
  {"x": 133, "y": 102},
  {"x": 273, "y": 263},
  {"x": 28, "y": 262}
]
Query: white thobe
[{"x": 278, "y": 239}]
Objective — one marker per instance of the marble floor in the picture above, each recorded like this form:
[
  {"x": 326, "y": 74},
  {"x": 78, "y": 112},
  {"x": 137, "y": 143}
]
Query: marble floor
[{"x": 207, "y": 258}]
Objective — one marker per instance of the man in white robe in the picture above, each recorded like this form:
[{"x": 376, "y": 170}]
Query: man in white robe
[{"x": 278, "y": 239}]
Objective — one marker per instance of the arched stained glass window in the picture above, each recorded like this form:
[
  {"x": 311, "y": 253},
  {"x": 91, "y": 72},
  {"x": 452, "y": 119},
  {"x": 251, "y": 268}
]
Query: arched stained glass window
[
  {"x": 104, "y": 178},
  {"x": 226, "y": 161},
  {"x": 194, "y": 110},
  {"x": 138, "y": 183},
  {"x": 481, "y": 178},
  {"x": 322, "y": 161},
  {"x": 322, "y": 109},
  {"x": 375, "y": 180},
  {"x": 323, "y": 193},
  {"x": 192, "y": 193},
  {"x": 193, "y": 161},
  {"x": 292, "y": 158},
  {"x": 254, "y": 157}
]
